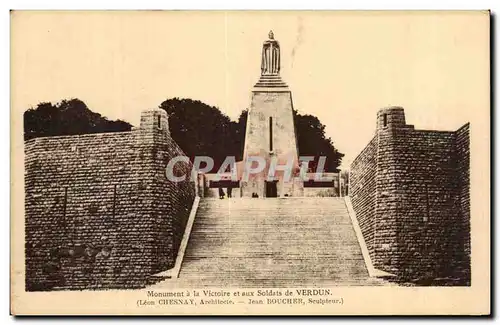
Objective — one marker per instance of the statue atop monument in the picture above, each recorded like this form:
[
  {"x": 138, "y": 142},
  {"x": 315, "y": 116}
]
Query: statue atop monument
[
  {"x": 270, "y": 56},
  {"x": 270, "y": 67}
]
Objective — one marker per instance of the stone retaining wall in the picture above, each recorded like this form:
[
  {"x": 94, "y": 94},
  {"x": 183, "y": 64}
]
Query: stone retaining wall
[
  {"x": 410, "y": 191},
  {"x": 100, "y": 212}
]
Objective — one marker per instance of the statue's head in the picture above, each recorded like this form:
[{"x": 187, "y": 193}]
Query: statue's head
[{"x": 271, "y": 35}]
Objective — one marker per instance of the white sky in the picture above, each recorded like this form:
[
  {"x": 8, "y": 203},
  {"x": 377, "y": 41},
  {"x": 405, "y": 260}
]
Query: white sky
[{"x": 341, "y": 67}]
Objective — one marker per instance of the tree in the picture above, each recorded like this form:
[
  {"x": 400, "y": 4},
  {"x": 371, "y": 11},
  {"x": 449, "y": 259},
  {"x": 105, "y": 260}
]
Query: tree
[
  {"x": 69, "y": 117},
  {"x": 203, "y": 130},
  {"x": 312, "y": 141}
]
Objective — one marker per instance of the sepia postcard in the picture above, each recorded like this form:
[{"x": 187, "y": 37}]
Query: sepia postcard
[{"x": 250, "y": 162}]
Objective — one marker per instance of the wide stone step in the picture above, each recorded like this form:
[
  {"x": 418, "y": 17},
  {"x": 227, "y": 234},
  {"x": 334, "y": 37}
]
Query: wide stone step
[
  {"x": 259, "y": 205},
  {"x": 275, "y": 212},
  {"x": 269, "y": 248},
  {"x": 225, "y": 282},
  {"x": 264, "y": 267},
  {"x": 270, "y": 211},
  {"x": 312, "y": 237},
  {"x": 301, "y": 216}
]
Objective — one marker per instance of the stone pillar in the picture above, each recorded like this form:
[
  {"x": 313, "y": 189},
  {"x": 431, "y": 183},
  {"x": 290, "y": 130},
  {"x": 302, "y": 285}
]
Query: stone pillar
[
  {"x": 271, "y": 116},
  {"x": 154, "y": 119}
]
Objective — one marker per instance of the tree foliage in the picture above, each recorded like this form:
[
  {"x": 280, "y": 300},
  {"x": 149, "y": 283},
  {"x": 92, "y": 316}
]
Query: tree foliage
[
  {"x": 69, "y": 117},
  {"x": 203, "y": 130},
  {"x": 312, "y": 141}
]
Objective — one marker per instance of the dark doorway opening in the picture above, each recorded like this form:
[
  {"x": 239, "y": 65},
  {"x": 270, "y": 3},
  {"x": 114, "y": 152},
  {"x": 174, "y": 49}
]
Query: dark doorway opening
[{"x": 272, "y": 189}]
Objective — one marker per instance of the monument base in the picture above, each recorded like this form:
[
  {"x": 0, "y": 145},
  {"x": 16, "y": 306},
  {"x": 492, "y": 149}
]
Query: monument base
[{"x": 270, "y": 135}]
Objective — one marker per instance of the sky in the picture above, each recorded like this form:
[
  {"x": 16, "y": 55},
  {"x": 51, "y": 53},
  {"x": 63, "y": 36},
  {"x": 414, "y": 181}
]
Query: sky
[{"x": 340, "y": 66}]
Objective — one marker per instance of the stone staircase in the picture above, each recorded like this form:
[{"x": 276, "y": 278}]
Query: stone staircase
[{"x": 288, "y": 242}]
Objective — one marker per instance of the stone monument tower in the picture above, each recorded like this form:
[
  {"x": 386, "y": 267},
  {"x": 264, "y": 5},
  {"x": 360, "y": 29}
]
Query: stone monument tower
[{"x": 270, "y": 131}]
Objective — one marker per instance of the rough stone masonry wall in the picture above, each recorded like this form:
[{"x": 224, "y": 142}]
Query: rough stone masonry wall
[
  {"x": 410, "y": 191},
  {"x": 362, "y": 191},
  {"x": 426, "y": 218},
  {"x": 172, "y": 204},
  {"x": 386, "y": 253},
  {"x": 96, "y": 211},
  {"x": 462, "y": 146}
]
